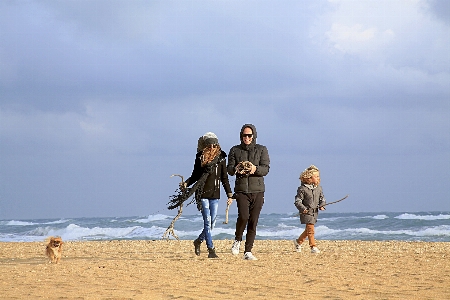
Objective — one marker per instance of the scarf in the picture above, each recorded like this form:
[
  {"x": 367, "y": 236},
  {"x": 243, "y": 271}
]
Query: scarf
[{"x": 183, "y": 194}]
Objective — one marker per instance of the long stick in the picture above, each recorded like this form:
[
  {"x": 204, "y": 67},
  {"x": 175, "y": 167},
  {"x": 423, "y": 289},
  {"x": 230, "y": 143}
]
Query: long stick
[
  {"x": 334, "y": 202},
  {"x": 226, "y": 214},
  {"x": 170, "y": 230},
  {"x": 327, "y": 204}
]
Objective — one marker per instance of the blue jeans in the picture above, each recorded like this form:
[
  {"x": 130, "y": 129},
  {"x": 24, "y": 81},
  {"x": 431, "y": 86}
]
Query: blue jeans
[{"x": 209, "y": 213}]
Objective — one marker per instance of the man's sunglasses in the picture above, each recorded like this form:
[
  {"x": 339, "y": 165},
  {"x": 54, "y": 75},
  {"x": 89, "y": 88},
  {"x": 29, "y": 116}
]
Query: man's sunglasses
[{"x": 249, "y": 135}]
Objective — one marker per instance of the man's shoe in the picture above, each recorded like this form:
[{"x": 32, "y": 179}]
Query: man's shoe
[
  {"x": 249, "y": 256},
  {"x": 298, "y": 247},
  {"x": 197, "y": 244},
  {"x": 315, "y": 250},
  {"x": 235, "y": 248},
  {"x": 212, "y": 253}
]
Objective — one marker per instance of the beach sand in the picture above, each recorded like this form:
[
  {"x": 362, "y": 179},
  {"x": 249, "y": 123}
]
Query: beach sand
[{"x": 170, "y": 270}]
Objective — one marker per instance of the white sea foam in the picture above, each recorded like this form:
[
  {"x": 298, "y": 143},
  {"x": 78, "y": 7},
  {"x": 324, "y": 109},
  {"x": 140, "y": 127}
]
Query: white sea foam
[
  {"x": 28, "y": 223},
  {"x": 331, "y": 219},
  {"x": 442, "y": 230},
  {"x": 76, "y": 232},
  {"x": 18, "y": 223},
  {"x": 20, "y": 238},
  {"x": 407, "y": 216},
  {"x": 62, "y": 221},
  {"x": 286, "y": 233},
  {"x": 294, "y": 217},
  {"x": 152, "y": 218},
  {"x": 380, "y": 217},
  {"x": 358, "y": 226},
  {"x": 325, "y": 218}
]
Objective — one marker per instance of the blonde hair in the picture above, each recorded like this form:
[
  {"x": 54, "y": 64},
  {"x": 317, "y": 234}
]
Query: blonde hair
[
  {"x": 306, "y": 175},
  {"x": 209, "y": 153}
]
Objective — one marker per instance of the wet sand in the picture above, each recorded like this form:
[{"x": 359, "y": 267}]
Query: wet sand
[{"x": 170, "y": 270}]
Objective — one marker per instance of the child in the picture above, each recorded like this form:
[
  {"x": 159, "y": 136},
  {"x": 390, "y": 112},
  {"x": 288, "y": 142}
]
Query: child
[{"x": 309, "y": 200}]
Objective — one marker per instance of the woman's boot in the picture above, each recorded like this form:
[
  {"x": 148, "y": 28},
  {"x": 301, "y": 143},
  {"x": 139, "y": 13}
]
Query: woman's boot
[
  {"x": 212, "y": 253},
  {"x": 197, "y": 244}
]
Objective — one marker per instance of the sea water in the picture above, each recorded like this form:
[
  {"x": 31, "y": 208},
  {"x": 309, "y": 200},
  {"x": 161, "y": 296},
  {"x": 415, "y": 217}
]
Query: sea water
[{"x": 403, "y": 226}]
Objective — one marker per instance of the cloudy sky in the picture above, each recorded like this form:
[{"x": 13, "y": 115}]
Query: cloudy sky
[{"x": 101, "y": 101}]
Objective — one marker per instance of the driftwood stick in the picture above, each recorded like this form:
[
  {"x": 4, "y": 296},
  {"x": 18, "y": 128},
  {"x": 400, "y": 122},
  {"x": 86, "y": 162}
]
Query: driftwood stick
[
  {"x": 334, "y": 201},
  {"x": 171, "y": 229},
  {"x": 226, "y": 214},
  {"x": 326, "y": 204}
]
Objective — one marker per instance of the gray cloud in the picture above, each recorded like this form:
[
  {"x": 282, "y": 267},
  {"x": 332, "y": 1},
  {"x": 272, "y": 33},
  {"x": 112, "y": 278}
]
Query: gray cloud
[
  {"x": 100, "y": 102},
  {"x": 441, "y": 9}
]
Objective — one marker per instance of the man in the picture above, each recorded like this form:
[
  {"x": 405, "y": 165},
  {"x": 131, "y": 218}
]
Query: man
[{"x": 250, "y": 163}]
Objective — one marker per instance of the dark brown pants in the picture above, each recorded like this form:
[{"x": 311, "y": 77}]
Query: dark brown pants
[{"x": 249, "y": 207}]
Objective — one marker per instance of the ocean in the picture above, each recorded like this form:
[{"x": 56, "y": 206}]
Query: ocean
[{"x": 417, "y": 226}]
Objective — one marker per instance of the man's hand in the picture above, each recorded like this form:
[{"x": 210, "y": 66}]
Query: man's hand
[
  {"x": 229, "y": 201},
  {"x": 253, "y": 169},
  {"x": 244, "y": 168}
]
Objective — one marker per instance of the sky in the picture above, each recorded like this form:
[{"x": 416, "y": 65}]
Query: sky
[{"x": 102, "y": 101}]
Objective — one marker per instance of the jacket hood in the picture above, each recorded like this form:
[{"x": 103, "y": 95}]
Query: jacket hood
[{"x": 253, "y": 143}]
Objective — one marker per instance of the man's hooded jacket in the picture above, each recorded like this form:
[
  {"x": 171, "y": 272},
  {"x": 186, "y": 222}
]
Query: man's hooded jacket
[{"x": 257, "y": 155}]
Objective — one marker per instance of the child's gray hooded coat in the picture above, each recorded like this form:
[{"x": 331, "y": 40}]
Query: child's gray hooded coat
[{"x": 309, "y": 197}]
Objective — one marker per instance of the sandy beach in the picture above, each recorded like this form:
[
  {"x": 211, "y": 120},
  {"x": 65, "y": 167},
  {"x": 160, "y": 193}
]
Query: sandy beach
[{"x": 170, "y": 270}]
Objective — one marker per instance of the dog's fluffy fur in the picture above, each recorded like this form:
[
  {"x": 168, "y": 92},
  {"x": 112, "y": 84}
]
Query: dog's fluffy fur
[{"x": 54, "y": 249}]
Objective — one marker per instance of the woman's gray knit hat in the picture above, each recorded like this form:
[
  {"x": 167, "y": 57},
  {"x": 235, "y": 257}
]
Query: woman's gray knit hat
[{"x": 210, "y": 138}]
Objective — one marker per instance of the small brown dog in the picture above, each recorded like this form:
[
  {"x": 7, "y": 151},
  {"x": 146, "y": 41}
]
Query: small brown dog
[{"x": 54, "y": 249}]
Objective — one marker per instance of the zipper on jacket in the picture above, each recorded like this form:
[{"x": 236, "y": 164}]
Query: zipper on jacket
[{"x": 217, "y": 184}]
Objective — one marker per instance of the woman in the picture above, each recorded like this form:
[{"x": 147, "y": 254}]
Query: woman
[{"x": 209, "y": 171}]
